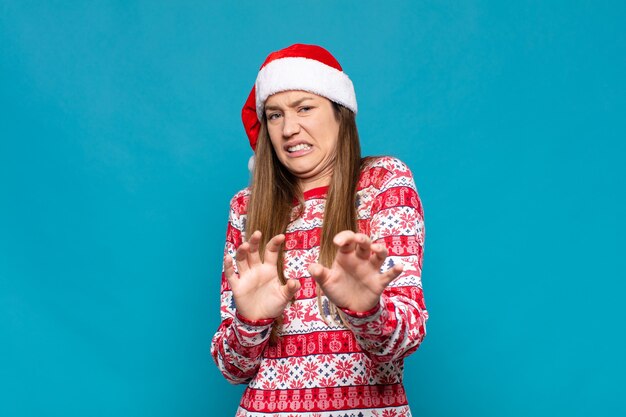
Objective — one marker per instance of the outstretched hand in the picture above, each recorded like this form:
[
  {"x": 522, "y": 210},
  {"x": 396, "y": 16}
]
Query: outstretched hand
[
  {"x": 354, "y": 280},
  {"x": 257, "y": 290}
]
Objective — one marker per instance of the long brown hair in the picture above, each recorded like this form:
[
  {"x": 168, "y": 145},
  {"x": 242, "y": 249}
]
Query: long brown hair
[{"x": 274, "y": 189}]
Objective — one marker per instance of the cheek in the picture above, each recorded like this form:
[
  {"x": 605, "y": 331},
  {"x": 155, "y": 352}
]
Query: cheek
[
  {"x": 332, "y": 136},
  {"x": 332, "y": 129},
  {"x": 275, "y": 139}
]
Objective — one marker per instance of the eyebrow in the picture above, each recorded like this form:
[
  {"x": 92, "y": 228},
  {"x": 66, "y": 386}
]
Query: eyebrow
[{"x": 292, "y": 104}]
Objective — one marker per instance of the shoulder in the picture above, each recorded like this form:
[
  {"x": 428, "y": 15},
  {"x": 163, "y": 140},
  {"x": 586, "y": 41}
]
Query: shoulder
[
  {"x": 387, "y": 183},
  {"x": 384, "y": 171},
  {"x": 239, "y": 202}
]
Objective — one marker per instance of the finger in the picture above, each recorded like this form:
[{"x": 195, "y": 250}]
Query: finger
[
  {"x": 392, "y": 273},
  {"x": 363, "y": 246},
  {"x": 379, "y": 254},
  {"x": 253, "y": 256},
  {"x": 345, "y": 241},
  {"x": 241, "y": 256},
  {"x": 290, "y": 288},
  {"x": 320, "y": 273},
  {"x": 229, "y": 268},
  {"x": 229, "y": 272},
  {"x": 272, "y": 249}
]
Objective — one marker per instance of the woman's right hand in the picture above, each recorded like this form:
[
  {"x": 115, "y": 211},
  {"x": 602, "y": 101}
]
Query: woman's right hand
[{"x": 257, "y": 290}]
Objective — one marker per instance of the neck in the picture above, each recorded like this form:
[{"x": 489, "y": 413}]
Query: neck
[{"x": 307, "y": 184}]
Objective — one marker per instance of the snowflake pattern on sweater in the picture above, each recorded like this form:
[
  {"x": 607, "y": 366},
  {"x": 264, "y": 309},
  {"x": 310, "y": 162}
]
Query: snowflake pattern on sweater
[{"x": 321, "y": 368}]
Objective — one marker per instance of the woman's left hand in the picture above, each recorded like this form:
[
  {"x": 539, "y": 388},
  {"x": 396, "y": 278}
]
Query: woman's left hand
[{"x": 354, "y": 281}]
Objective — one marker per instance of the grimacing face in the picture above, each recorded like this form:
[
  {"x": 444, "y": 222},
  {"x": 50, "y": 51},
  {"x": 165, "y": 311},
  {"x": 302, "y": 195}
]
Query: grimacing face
[{"x": 304, "y": 131}]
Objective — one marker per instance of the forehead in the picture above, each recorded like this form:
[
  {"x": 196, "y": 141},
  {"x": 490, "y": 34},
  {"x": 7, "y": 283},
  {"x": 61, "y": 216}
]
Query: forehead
[{"x": 291, "y": 97}]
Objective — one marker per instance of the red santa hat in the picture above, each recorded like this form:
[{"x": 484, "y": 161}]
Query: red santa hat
[{"x": 297, "y": 67}]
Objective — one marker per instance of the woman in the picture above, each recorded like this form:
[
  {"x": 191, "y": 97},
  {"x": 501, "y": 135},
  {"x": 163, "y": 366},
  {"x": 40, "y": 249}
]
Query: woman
[{"x": 321, "y": 296}]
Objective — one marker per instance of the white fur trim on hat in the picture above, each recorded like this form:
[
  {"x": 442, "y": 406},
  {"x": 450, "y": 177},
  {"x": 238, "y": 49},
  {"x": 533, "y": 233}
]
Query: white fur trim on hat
[{"x": 307, "y": 75}]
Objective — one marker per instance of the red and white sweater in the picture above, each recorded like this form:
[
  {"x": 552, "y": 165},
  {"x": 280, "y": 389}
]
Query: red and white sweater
[{"x": 330, "y": 370}]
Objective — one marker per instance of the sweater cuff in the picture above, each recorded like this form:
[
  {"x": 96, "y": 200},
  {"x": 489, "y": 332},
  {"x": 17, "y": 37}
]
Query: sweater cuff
[
  {"x": 251, "y": 333},
  {"x": 254, "y": 323},
  {"x": 368, "y": 315}
]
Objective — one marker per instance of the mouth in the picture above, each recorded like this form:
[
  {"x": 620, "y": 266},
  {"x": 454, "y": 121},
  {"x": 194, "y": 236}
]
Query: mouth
[{"x": 298, "y": 147}]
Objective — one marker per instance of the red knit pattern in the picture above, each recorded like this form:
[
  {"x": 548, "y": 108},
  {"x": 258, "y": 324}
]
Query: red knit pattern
[{"x": 320, "y": 367}]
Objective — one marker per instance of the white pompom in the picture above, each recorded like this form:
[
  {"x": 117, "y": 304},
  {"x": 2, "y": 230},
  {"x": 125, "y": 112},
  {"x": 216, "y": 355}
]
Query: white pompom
[{"x": 251, "y": 163}]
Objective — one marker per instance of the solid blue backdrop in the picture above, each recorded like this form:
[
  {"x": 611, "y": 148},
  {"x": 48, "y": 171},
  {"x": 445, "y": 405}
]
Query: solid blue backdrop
[{"x": 121, "y": 145}]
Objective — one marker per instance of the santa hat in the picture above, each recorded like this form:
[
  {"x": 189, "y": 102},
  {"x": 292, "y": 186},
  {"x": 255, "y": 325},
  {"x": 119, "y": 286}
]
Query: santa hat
[{"x": 297, "y": 67}]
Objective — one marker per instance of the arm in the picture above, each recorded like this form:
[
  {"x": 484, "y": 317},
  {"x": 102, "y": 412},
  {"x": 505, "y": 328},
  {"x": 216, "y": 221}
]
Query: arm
[
  {"x": 251, "y": 297},
  {"x": 381, "y": 296},
  {"x": 396, "y": 326},
  {"x": 238, "y": 343}
]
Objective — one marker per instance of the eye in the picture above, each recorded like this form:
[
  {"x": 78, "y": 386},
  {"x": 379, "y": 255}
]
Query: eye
[
  {"x": 273, "y": 116},
  {"x": 305, "y": 108}
]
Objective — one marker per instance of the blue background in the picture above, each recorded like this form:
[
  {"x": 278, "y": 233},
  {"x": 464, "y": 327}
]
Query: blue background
[{"x": 121, "y": 145}]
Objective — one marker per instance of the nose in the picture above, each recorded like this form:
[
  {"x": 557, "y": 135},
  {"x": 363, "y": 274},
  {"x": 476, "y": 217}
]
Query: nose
[{"x": 291, "y": 126}]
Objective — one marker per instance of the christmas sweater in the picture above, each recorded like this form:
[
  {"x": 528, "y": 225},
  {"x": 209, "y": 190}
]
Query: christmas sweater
[{"x": 321, "y": 367}]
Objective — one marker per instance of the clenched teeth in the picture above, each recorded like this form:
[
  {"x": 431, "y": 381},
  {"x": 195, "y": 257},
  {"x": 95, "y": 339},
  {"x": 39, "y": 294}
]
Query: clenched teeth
[{"x": 299, "y": 147}]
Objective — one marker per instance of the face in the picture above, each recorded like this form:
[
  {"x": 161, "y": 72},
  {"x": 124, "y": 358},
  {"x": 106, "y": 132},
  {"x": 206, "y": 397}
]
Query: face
[{"x": 304, "y": 132}]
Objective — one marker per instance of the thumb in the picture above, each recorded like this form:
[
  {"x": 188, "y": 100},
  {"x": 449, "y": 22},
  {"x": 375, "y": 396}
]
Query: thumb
[
  {"x": 290, "y": 288},
  {"x": 320, "y": 273}
]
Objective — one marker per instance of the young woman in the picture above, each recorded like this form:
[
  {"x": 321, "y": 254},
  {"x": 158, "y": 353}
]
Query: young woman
[{"x": 321, "y": 296}]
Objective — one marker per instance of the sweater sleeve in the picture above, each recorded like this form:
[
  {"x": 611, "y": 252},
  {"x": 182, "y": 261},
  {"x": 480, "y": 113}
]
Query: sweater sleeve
[
  {"x": 396, "y": 327},
  {"x": 238, "y": 343}
]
